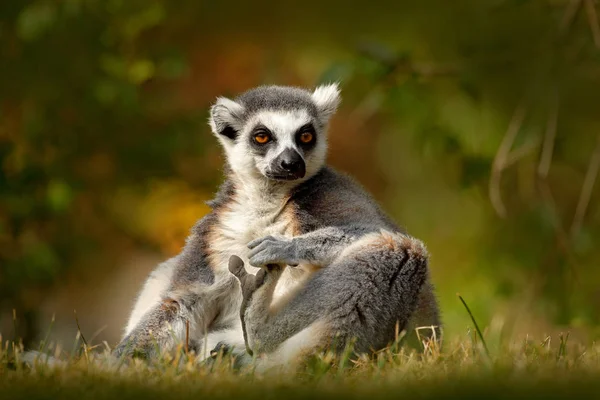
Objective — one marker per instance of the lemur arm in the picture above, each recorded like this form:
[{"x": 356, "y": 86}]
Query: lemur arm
[{"x": 320, "y": 247}]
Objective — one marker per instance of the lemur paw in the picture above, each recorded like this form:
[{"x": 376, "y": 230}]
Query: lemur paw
[{"x": 273, "y": 250}]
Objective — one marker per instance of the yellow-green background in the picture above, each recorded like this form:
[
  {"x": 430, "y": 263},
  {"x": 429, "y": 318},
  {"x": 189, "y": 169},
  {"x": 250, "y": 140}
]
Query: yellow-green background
[{"x": 106, "y": 158}]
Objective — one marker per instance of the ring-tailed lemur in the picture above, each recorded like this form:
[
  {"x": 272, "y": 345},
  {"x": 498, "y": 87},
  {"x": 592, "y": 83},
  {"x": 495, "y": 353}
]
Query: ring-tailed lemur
[{"x": 353, "y": 274}]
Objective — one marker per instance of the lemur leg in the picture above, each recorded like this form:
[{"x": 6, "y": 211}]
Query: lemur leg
[
  {"x": 167, "y": 314},
  {"x": 426, "y": 323},
  {"x": 257, "y": 295},
  {"x": 147, "y": 313},
  {"x": 368, "y": 291},
  {"x": 155, "y": 286},
  {"x": 164, "y": 325}
]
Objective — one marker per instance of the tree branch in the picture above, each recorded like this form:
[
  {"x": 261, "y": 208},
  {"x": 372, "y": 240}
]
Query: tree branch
[
  {"x": 521, "y": 152},
  {"x": 549, "y": 138},
  {"x": 586, "y": 190},
  {"x": 590, "y": 10},
  {"x": 500, "y": 160},
  {"x": 569, "y": 16}
]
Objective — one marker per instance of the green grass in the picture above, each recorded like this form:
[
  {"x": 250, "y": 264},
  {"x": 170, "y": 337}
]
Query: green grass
[{"x": 547, "y": 368}]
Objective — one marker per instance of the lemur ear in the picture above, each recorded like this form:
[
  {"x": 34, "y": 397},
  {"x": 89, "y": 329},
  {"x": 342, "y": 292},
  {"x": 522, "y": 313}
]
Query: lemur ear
[
  {"x": 226, "y": 117},
  {"x": 327, "y": 99}
]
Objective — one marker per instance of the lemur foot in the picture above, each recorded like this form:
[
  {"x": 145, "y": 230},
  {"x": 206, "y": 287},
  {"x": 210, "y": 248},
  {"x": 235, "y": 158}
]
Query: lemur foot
[
  {"x": 250, "y": 283},
  {"x": 135, "y": 345}
]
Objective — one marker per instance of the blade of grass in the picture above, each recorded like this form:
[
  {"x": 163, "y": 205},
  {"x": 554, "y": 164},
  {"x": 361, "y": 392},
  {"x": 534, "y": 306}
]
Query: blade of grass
[
  {"x": 44, "y": 343},
  {"x": 95, "y": 334},
  {"x": 85, "y": 343},
  {"x": 75, "y": 346},
  {"x": 487, "y": 352},
  {"x": 16, "y": 333},
  {"x": 79, "y": 328},
  {"x": 187, "y": 337},
  {"x": 345, "y": 358},
  {"x": 562, "y": 350}
]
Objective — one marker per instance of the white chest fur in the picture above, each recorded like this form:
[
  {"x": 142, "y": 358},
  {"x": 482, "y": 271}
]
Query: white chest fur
[{"x": 246, "y": 219}]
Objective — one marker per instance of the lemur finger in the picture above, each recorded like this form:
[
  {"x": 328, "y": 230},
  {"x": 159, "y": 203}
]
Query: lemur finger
[
  {"x": 236, "y": 267},
  {"x": 265, "y": 254},
  {"x": 259, "y": 248},
  {"x": 261, "y": 259},
  {"x": 258, "y": 241},
  {"x": 260, "y": 277}
]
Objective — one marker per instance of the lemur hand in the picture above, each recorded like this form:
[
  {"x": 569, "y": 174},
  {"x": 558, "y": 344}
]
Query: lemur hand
[{"x": 273, "y": 250}]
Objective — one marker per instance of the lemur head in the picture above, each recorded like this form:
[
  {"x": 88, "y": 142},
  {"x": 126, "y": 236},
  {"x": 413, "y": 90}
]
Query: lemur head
[{"x": 275, "y": 133}]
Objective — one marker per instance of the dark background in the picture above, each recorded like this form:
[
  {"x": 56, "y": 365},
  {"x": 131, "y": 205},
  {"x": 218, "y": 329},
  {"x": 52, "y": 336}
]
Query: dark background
[{"x": 476, "y": 123}]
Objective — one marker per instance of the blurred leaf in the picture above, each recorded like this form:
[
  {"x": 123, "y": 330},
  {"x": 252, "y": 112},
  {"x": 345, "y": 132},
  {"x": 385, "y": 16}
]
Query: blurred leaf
[
  {"x": 172, "y": 67},
  {"x": 141, "y": 70},
  {"x": 39, "y": 259},
  {"x": 378, "y": 52},
  {"x": 59, "y": 195},
  {"x": 73, "y": 7},
  {"x": 35, "y": 20},
  {"x": 114, "y": 65},
  {"x": 106, "y": 91},
  {"x": 148, "y": 17}
]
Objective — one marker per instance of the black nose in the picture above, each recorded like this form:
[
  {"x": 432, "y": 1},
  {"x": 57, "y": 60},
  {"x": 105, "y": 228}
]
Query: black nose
[
  {"x": 291, "y": 161},
  {"x": 289, "y": 165}
]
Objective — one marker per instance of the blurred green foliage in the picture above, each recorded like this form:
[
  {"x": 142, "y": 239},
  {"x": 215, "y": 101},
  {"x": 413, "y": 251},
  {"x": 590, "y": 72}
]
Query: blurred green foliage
[
  {"x": 77, "y": 126},
  {"x": 475, "y": 122}
]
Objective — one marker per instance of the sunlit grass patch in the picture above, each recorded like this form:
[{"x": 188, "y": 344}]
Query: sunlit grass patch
[{"x": 545, "y": 367}]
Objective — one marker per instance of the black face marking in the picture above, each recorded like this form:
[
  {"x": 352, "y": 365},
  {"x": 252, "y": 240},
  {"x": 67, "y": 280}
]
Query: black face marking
[
  {"x": 261, "y": 148},
  {"x": 307, "y": 128},
  {"x": 229, "y": 132}
]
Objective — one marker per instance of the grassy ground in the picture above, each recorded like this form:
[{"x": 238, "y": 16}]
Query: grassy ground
[{"x": 548, "y": 368}]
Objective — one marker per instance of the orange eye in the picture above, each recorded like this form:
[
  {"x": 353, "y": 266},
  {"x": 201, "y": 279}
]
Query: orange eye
[
  {"x": 262, "y": 138},
  {"x": 306, "y": 137}
]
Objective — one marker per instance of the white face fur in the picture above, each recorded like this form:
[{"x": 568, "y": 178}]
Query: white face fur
[{"x": 291, "y": 122}]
